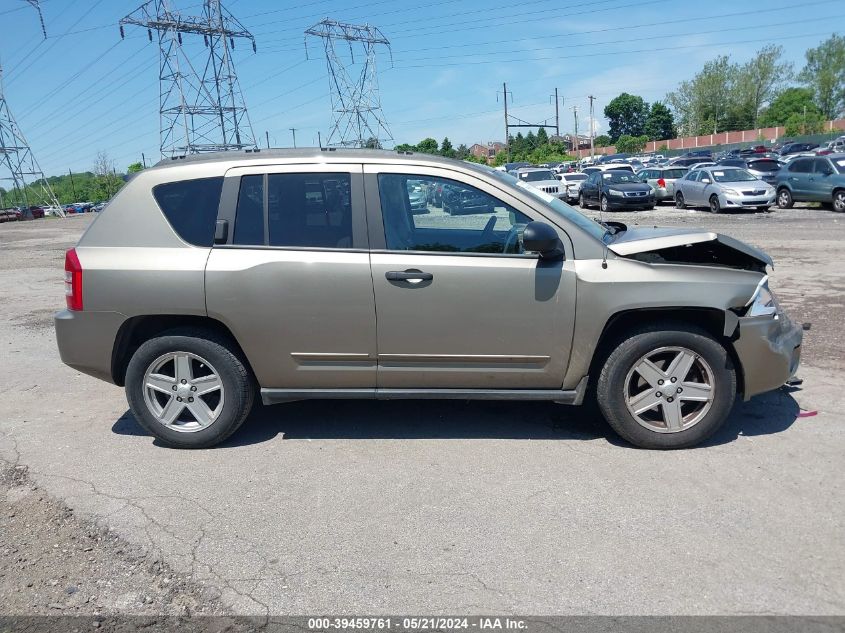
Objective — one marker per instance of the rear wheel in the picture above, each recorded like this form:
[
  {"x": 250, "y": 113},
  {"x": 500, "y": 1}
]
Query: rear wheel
[
  {"x": 667, "y": 386},
  {"x": 679, "y": 201},
  {"x": 839, "y": 201},
  {"x": 605, "y": 205},
  {"x": 715, "y": 205},
  {"x": 189, "y": 388},
  {"x": 581, "y": 201},
  {"x": 785, "y": 200}
]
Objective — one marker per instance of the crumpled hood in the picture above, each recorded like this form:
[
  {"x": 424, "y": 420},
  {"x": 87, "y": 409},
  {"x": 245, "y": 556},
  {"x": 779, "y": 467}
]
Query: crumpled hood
[{"x": 678, "y": 246}]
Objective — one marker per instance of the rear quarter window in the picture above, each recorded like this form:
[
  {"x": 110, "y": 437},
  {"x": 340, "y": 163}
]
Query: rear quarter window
[{"x": 191, "y": 207}]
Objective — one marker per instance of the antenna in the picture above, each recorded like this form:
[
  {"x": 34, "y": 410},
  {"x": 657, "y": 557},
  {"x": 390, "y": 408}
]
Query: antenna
[
  {"x": 198, "y": 112},
  {"x": 357, "y": 117},
  {"x": 16, "y": 155}
]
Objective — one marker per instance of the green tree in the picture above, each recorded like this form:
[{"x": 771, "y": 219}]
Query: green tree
[
  {"x": 518, "y": 145},
  {"x": 702, "y": 105},
  {"x": 602, "y": 140},
  {"x": 660, "y": 123},
  {"x": 462, "y": 152},
  {"x": 631, "y": 144},
  {"x": 824, "y": 74},
  {"x": 501, "y": 158},
  {"x": 427, "y": 146},
  {"x": 799, "y": 124},
  {"x": 757, "y": 82},
  {"x": 530, "y": 141},
  {"x": 446, "y": 148},
  {"x": 372, "y": 143},
  {"x": 405, "y": 147},
  {"x": 134, "y": 168},
  {"x": 626, "y": 114},
  {"x": 790, "y": 101},
  {"x": 542, "y": 137}
]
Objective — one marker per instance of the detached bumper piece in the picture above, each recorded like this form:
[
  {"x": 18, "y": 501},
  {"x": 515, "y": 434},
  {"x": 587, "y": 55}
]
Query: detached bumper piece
[{"x": 769, "y": 350}]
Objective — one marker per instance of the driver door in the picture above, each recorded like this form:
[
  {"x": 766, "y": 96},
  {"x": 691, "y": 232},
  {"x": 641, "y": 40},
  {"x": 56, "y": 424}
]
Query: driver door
[{"x": 459, "y": 304}]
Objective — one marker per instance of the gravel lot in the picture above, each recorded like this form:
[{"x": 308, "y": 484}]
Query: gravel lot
[{"x": 398, "y": 507}]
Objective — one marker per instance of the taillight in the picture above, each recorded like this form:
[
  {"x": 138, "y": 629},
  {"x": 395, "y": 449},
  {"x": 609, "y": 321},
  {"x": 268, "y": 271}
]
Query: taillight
[
  {"x": 661, "y": 182},
  {"x": 73, "y": 281}
]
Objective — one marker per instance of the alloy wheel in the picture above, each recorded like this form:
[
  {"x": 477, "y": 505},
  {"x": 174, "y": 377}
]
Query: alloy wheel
[
  {"x": 783, "y": 199},
  {"x": 669, "y": 390},
  {"x": 183, "y": 391},
  {"x": 839, "y": 201}
]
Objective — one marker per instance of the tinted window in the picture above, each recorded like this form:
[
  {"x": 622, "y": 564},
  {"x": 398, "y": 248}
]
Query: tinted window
[
  {"x": 802, "y": 165},
  {"x": 674, "y": 173},
  {"x": 457, "y": 218},
  {"x": 535, "y": 176},
  {"x": 309, "y": 210},
  {"x": 693, "y": 175},
  {"x": 732, "y": 175},
  {"x": 191, "y": 207},
  {"x": 249, "y": 219},
  {"x": 840, "y": 165},
  {"x": 616, "y": 177},
  {"x": 764, "y": 165},
  {"x": 822, "y": 166}
]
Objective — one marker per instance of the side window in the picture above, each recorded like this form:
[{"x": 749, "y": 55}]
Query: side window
[
  {"x": 801, "y": 165},
  {"x": 425, "y": 213},
  {"x": 702, "y": 175},
  {"x": 693, "y": 175},
  {"x": 191, "y": 207},
  {"x": 249, "y": 217},
  {"x": 822, "y": 166},
  {"x": 310, "y": 210}
]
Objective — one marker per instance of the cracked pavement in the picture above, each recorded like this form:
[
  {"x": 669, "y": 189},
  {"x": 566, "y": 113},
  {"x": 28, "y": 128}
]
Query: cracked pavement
[{"x": 427, "y": 507}]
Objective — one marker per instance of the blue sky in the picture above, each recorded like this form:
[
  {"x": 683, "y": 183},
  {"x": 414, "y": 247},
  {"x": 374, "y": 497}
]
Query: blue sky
[{"x": 84, "y": 90}]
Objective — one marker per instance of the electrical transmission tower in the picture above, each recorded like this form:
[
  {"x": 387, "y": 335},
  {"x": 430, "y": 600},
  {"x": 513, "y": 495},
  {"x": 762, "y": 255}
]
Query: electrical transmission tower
[
  {"x": 17, "y": 157},
  {"x": 357, "y": 117},
  {"x": 198, "y": 111}
]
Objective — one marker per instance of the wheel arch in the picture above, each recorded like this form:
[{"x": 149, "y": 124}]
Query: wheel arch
[
  {"x": 136, "y": 330},
  {"x": 720, "y": 324}
]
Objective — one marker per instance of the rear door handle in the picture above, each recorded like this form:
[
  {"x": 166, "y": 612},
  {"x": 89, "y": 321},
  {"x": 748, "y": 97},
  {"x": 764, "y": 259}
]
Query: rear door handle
[{"x": 408, "y": 275}]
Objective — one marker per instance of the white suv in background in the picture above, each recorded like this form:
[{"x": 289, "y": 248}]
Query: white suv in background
[{"x": 542, "y": 179}]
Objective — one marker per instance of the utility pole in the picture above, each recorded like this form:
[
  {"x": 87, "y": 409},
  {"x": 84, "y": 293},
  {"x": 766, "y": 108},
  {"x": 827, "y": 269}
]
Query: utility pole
[
  {"x": 507, "y": 120},
  {"x": 72, "y": 185},
  {"x": 16, "y": 155},
  {"x": 319, "y": 139},
  {"x": 357, "y": 117},
  {"x": 577, "y": 140},
  {"x": 267, "y": 137},
  {"x": 198, "y": 112},
  {"x": 293, "y": 131},
  {"x": 558, "y": 101},
  {"x": 592, "y": 128},
  {"x": 143, "y": 160}
]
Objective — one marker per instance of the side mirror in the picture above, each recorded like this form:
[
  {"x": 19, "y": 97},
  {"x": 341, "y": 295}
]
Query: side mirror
[
  {"x": 705, "y": 181},
  {"x": 539, "y": 237}
]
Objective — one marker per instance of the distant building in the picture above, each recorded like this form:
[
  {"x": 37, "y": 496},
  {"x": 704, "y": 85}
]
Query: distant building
[
  {"x": 487, "y": 151},
  {"x": 569, "y": 142}
]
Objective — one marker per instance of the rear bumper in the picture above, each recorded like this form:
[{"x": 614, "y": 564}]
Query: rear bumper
[
  {"x": 86, "y": 340},
  {"x": 769, "y": 351}
]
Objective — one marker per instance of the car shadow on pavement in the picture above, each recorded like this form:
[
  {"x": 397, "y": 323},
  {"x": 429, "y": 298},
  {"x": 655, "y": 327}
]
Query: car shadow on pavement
[{"x": 770, "y": 413}]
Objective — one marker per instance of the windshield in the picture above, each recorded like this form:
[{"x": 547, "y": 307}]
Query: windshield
[
  {"x": 616, "y": 177},
  {"x": 550, "y": 202},
  {"x": 674, "y": 173},
  {"x": 534, "y": 176},
  {"x": 575, "y": 177},
  {"x": 840, "y": 165},
  {"x": 764, "y": 165},
  {"x": 732, "y": 175}
]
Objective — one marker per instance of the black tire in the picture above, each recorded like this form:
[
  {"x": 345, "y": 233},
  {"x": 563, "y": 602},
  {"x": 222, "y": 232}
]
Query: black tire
[
  {"x": 679, "y": 201},
  {"x": 715, "y": 205},
  {"x": 604, "y": 204},
  {"x": 610, "y": 388},
  {"x": 785, "y": 200},
  {"x": 582, "y": 202},
  {"x": 238, "y": 385},
  {"x": 764, "y": 208},
  {"x": 839, "y": 201}
]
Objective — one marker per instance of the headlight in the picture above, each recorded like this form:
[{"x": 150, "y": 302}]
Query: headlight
[
  {"x": 730, "y": 192},
  {"x": 763, "y": 301},
  {"x": 615, "y": 192}
]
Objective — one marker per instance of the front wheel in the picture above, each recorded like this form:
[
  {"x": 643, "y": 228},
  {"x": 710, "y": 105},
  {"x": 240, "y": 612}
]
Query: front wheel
[
  {"x": 189, "y": 388},
  {"x": 605, "y": 205},
  {"x": 715, "y": 205},
  {"x": 667, "y": 386},
  {"x": 581, "y": 201}
]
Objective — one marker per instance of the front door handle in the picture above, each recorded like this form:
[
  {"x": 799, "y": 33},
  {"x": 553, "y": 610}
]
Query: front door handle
[{"x": 408, "y": 275}]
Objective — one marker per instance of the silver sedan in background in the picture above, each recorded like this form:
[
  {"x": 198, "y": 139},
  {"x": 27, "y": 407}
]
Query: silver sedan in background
[{"x": 723, "y": 188}]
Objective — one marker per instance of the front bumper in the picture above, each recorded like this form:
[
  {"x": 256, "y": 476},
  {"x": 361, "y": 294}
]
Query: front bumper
[
  {"x": 746, "y": 202},
  {"x": 624, "y": 202},
  {"x": 769, "y": 351},
  {"x": 86, "y": 340}
]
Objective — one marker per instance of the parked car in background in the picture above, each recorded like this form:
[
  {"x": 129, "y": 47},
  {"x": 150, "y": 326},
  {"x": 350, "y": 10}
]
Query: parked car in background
[
  {"x": 702, "y": 165},
  {"x": 723, "y": 187},
  {"x": 271, "y": 291},
  {"x": 542, "y": 179},
  {"x": 813, "y": 179},
  {"x": 615, "y": 189},
  {"x": 765, "y": 169},
  {"x": 797, "y": 148},
  {"x": 8, "y": 215},
  {"x": 607, "y": 166},
  {"x": 36, "y": 212},
  {"x": 571, "y": 185},
  {"x": 685, "y": 161},
  {"x": 458, "y": 200},
  {"x": 662, "y": 180},
  {"x": 417, "y": 197}
]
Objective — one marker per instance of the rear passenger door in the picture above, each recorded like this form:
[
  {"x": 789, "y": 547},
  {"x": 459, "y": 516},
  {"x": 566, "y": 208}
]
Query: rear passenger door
[
  {"x": 798, "y": 177},
  {"x": 292, "y": 278},
  {"x": 820, "y": 183}
]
